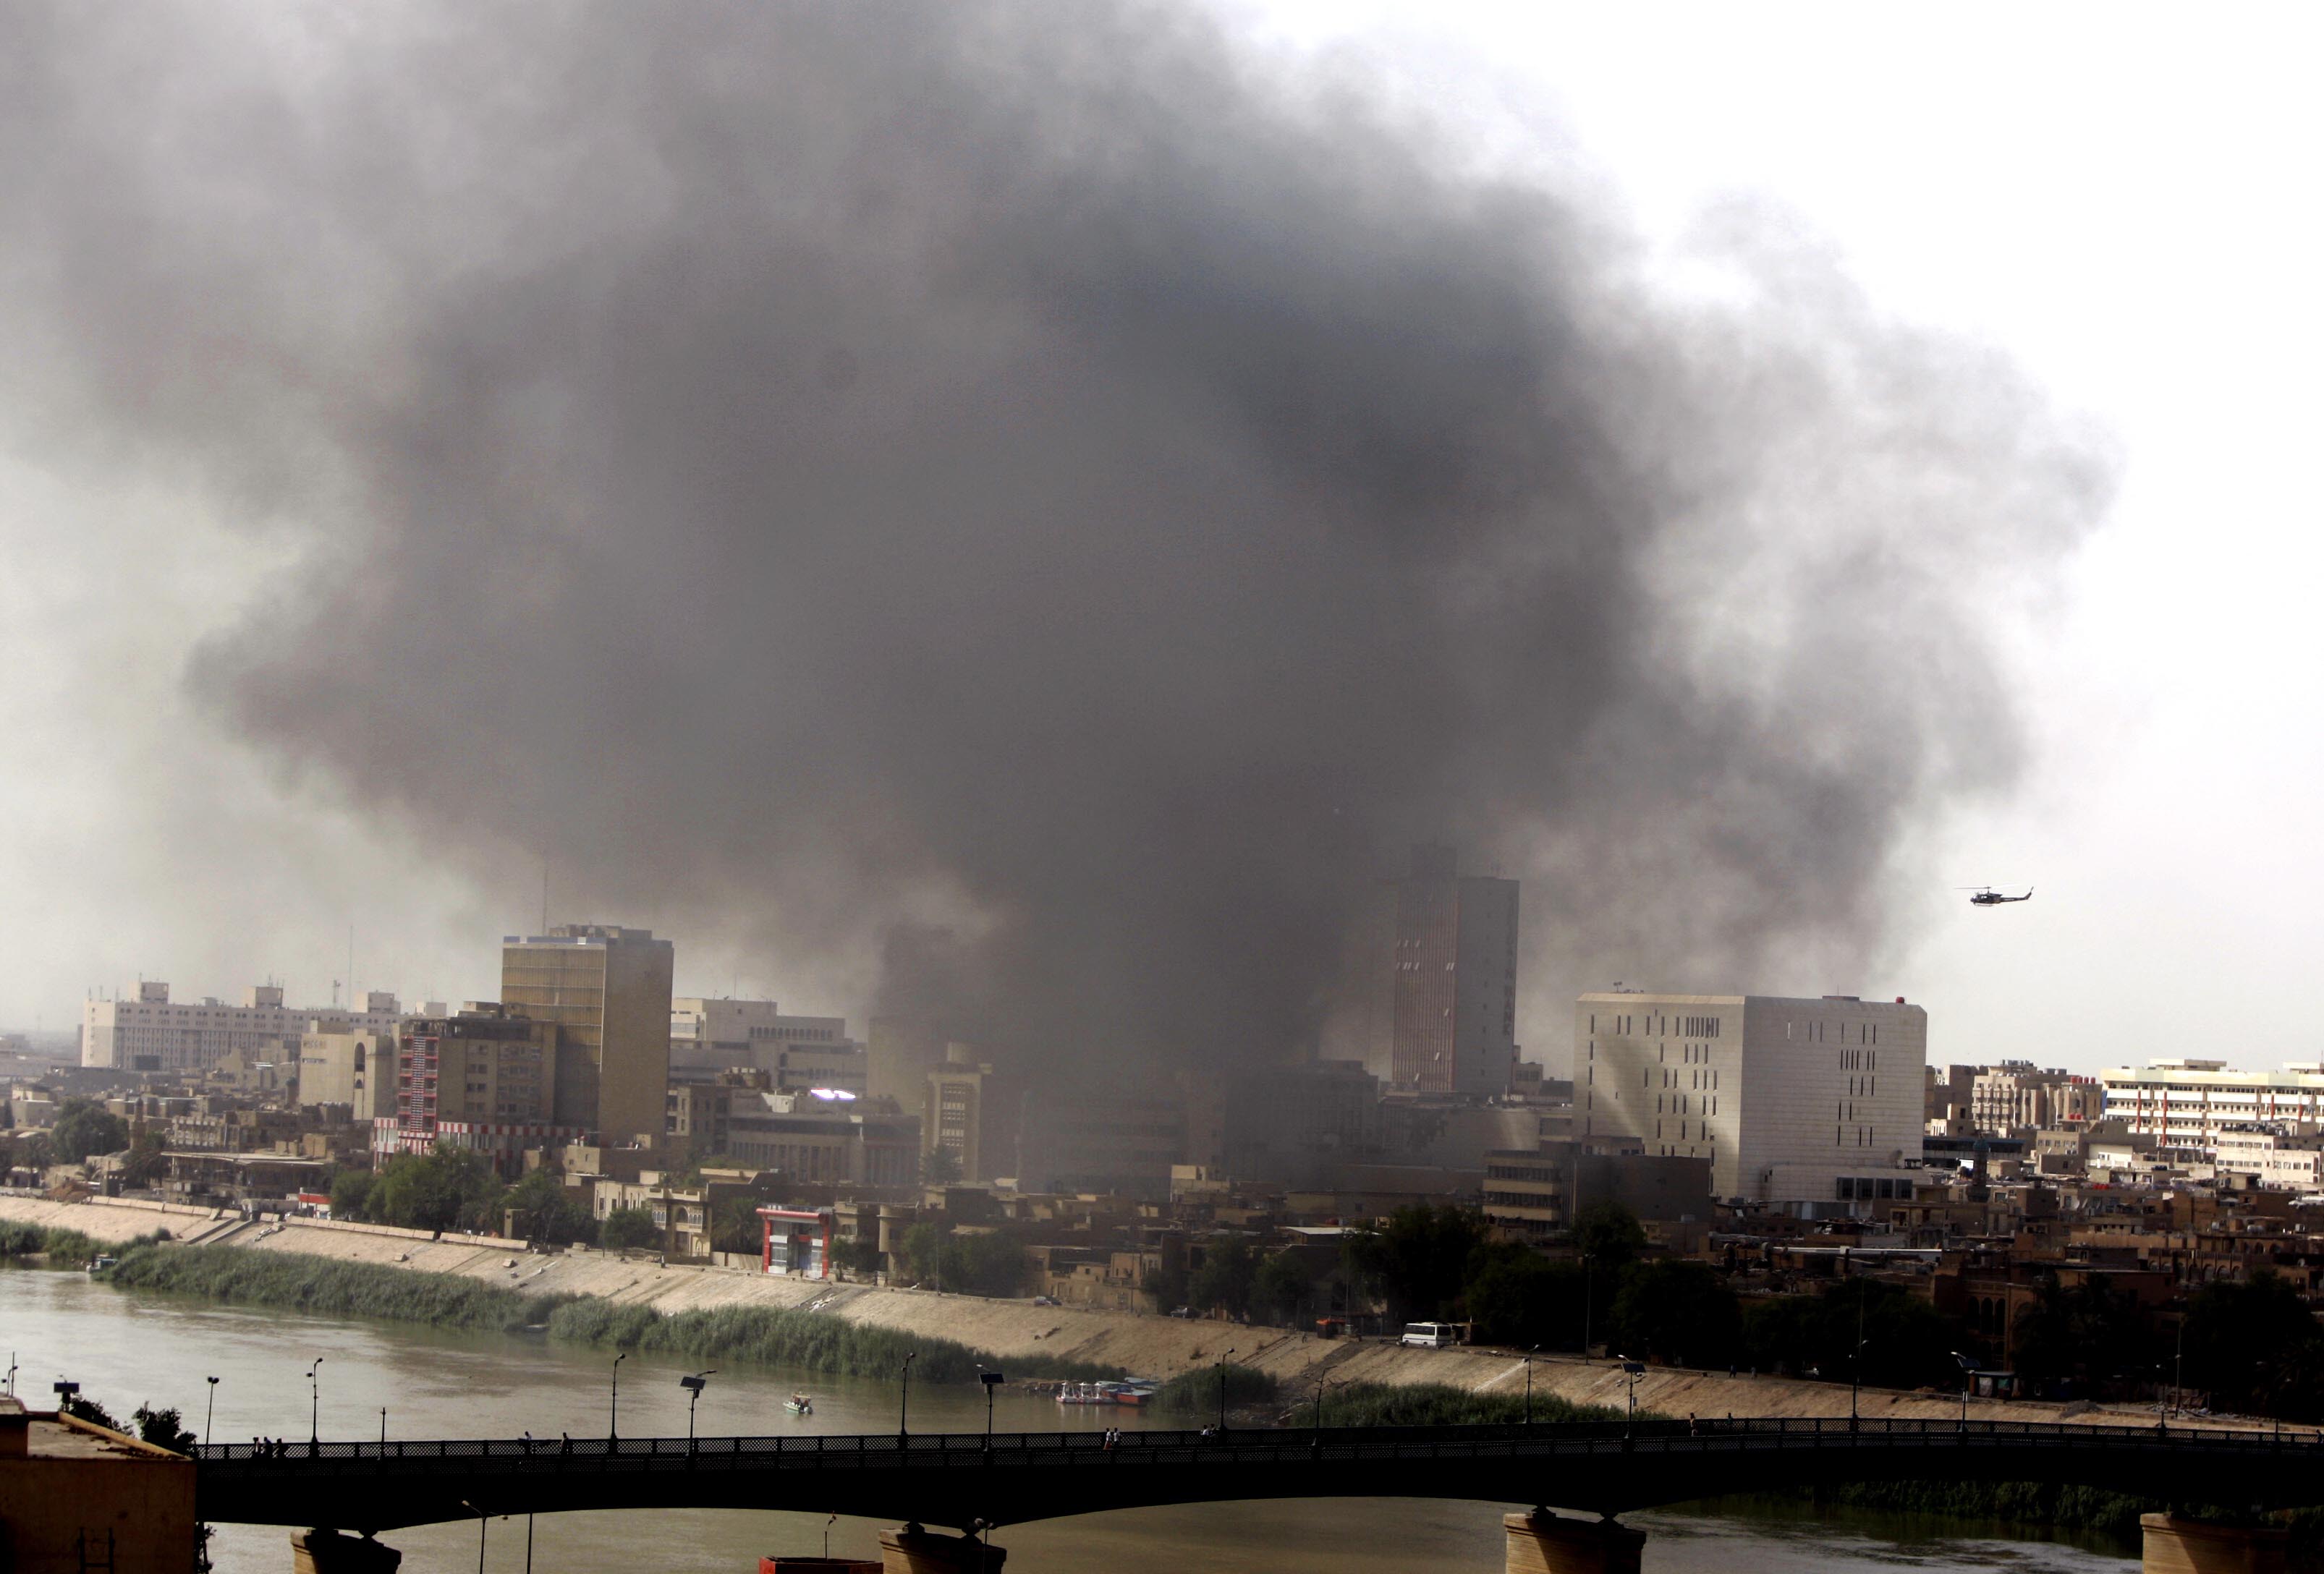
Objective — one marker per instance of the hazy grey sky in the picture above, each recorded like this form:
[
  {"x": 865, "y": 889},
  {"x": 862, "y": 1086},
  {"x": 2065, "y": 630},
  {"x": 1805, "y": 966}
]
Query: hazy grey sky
[{"x": 2114, "y": 201}]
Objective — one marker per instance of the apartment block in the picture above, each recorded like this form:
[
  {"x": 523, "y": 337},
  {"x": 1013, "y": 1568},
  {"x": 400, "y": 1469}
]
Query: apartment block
[
  {"x": 1792, "y": 1100},
  {"x": 483, "y": 1079}
]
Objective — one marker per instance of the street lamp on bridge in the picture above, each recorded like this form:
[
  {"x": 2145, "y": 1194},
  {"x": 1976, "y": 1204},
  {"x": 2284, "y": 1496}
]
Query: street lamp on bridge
[
  {"x": 991, "y": 1379},
  {"x": 693, "y": 1383},
  {"x": 904, "y": 1406},
  {"x": 1632, "y": 1370},
  {"x": 613, "y": 1414},
  {"x": 209, "y": 1410},
  {"x": 1969, "y": 1375},
  {"x": 314, "y": 1404},
  {"x": 1222, "y": 1385},
  {"x": 1529, "y": 1355}
]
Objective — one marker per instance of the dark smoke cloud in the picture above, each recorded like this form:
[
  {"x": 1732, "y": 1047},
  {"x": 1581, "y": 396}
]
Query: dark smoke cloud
[{"x": 820, "y": 472}]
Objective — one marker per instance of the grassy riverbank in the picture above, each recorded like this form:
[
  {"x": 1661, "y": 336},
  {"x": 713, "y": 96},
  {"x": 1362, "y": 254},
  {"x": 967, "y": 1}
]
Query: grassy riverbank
[
  {"x": 756, "y": 1335},
  {"x": 60, "y": 1249}
]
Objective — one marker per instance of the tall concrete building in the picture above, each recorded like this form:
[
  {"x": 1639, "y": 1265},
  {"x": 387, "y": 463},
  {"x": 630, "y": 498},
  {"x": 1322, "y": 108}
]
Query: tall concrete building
[
  {"x": 143, "y": 1030},
  {"x": 1444, "y": 989},
  {"x": 1792, "y": 1100},
  {"x": 607, "y": 989}
]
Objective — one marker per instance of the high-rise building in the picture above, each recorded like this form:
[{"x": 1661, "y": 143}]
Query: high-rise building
[
  {"x": 607, "y": 989},
  {"x": 146, "y": 1031},
  {"x": 1792, "y": 1100},
  {"x": 1445, "y": 995}
]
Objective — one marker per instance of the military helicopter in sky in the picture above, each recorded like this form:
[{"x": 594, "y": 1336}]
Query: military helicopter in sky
[{"x": 1986, "y": 897}]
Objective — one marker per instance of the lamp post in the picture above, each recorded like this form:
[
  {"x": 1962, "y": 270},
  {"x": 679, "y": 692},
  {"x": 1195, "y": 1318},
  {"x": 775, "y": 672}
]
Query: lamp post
[
  {"x": 1586, "y": 1266},
  {"x": 1856, "y": 1362},
  {"x": 1528, "y": 1364},
  {"x": 904, "y": 1406},
  {"x": 2178, "y": 1362},
  {"x": 315, "y": 1406},
  {"x": 1632, "y": 1370},
  {"x": 613, "y": 1414},
  {"x": 208, "y": 1411},
  {"x": 1969, "y": 1372},
  {"x": 482, "y": 1521},
  {"x": 991, "y": 1380},
  {"x": 1223, "y": 1387},
  {"x": 382, "y": 1427},
  {"x": 694, "y": 1384}
]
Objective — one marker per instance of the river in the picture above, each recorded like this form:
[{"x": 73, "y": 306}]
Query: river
[{"x": 127, "y": 1348}]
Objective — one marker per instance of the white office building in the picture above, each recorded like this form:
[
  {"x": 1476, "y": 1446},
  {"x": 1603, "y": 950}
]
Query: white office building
[
  {"x": 709, "y": 1034},
  {"x": 2189, "y": 1103},
  {"x": 146, "y": 1031},
  {"x": 1792, "y": 1100}
]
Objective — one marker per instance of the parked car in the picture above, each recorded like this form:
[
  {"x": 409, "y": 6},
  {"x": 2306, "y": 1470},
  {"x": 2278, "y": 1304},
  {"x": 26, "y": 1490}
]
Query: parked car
[{"x": 1045, "y": 1300}]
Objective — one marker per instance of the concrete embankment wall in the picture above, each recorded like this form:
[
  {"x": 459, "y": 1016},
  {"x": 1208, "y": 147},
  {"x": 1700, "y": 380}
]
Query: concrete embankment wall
[{"x": 1156, "y": 1347}]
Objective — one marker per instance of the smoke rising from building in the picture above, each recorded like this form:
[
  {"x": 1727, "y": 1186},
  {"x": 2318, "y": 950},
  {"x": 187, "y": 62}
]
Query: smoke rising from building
[{"x": 847, "y": 476}]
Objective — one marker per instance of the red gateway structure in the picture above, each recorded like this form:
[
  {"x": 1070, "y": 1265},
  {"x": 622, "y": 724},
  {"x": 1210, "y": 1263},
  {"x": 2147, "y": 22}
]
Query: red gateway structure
[{"x": 798, "y": 1242}]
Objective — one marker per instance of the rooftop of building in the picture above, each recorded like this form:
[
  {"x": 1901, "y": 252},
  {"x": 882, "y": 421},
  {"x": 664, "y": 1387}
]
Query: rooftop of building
[{"x": 49, "y": 1435}]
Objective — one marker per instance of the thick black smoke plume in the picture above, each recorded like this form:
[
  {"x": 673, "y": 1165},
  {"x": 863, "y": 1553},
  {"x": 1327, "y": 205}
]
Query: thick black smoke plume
[{"x": 809, "y": 470}]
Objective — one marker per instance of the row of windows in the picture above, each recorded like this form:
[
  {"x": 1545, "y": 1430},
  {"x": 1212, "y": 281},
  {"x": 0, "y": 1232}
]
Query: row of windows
[{"x": 1873, "y": 1189}]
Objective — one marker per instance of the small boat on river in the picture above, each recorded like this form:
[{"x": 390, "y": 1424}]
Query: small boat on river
[{"x": 799, "y": 1404}]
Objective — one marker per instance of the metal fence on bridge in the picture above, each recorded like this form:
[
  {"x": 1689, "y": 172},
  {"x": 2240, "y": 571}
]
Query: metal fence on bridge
[{"x": 1239, "y": 1447}]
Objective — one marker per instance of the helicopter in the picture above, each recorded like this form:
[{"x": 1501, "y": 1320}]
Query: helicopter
[{"x": 1986, "y": 897}]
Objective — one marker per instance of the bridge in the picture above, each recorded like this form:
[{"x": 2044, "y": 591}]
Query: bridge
[{"x": 970, "y": 1479}]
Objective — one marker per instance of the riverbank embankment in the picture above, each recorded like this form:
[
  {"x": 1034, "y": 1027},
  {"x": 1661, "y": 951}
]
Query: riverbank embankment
[{"x": 1157, "y": 1346}]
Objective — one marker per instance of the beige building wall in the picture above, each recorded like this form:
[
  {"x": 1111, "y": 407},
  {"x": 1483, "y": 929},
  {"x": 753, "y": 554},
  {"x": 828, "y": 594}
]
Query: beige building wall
[
  {"x": 608, "y": 990},
  {"x": 348, "y": 1067},
  {"x": 1785, "y": 1096}
]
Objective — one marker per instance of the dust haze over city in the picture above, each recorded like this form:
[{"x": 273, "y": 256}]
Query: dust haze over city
[
  {"x": 1275, "y": 758},
  {"x": 1033, "y": 522}
]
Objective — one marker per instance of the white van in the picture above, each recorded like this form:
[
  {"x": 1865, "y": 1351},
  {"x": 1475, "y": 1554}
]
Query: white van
[{"x": 1434, "y": 1336}]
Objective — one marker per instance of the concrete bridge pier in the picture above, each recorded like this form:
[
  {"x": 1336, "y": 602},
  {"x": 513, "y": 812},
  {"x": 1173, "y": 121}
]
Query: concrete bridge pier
[
  {"x": 327, "y": 1552},
  {"x": 2174, "y": 1545},
  {"x": 1542, "y": 1542},
  {"x": 915, "y": 1550}
]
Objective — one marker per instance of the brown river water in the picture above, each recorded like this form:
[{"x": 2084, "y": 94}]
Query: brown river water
[{"x": 127, "y": 1348}]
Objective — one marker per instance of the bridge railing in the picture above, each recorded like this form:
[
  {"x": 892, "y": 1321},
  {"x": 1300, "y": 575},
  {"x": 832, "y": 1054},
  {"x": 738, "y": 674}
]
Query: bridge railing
[{"x": 828, "y": 1450}]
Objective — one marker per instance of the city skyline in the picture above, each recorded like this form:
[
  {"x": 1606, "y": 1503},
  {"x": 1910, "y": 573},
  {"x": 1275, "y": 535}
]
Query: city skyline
[{"x": 153, "y": 832}]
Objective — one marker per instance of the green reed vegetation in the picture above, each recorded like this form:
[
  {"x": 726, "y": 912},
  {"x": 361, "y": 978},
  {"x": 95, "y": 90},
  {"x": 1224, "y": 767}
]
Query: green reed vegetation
[
  {"x": 62, "y": 1249},
  {"x": 757, "y": 1335}
]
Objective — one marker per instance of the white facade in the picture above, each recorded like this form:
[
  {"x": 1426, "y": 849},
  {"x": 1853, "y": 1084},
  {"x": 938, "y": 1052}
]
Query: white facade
[
  {"x": 714, "y": 1034},
  {"x": 1792, "y": 1100},
  {"x": 147, "y": 1031},
  {"x": 2293, "y": 1158},
  {"x": 2187, "y": 1103}
]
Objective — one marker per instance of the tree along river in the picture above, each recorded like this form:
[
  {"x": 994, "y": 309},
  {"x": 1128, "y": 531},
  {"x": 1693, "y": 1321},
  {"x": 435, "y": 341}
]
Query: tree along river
[{"x": 129, "y": 1348}]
